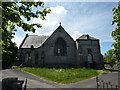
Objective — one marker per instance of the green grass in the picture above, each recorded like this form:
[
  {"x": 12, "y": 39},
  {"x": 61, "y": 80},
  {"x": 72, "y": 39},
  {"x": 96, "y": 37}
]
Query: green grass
[
  {"x": 65, "y": 76},
  {"x": 113, "y": 68},
  {"x": 15, "y": 67}
]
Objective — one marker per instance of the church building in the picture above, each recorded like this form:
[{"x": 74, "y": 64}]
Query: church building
[{"x": 60, "y": 50}]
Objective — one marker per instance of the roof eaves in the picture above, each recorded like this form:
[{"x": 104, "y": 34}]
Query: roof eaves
[{"x": 23, "y": 41}]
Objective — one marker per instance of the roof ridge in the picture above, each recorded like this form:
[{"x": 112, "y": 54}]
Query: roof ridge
[
  {"x": 44, "y": 35},
  {"x": 32, "y": 35},
  {"x": 86, "y": 36},
  {"x": 34, "y": 40}
]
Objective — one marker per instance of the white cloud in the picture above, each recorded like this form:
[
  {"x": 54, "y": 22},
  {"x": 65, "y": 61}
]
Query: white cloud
[
  {"x": 105, "y": 38},
  {"x": 37, "y": 0},
  {"x": 97, "y": 25},
  {"x": 18, "y": 40},
  {"x": 76, "y": 34},
  {"x": 56, "y": 15}
]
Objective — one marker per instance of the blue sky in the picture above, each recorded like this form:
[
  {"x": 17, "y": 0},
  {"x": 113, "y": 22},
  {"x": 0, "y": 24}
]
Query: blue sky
[{"x": 77, "y": 18}]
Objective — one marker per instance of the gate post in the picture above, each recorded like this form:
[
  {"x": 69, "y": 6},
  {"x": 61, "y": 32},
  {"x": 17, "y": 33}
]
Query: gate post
[
  {"x": 97, "y": 81},
  {"x": 111, "y": 87},
  {"x": 107, "y": 85},
  {"x": 116, "y": 87},
  {"x": 102, "y": 84}
]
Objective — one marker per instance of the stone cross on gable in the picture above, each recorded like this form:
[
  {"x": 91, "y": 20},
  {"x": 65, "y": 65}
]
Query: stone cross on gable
[{"x": 60, "y": 23}]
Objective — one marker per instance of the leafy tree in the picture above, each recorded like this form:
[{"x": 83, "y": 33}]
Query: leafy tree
[
  {"x": 18, "y": 14},
  {"x": 116, "y": 33},
  {"x": 110, "y": 57}
]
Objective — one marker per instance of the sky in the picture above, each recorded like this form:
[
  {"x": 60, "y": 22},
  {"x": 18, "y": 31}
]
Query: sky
[{"x": 77, "y": 18}]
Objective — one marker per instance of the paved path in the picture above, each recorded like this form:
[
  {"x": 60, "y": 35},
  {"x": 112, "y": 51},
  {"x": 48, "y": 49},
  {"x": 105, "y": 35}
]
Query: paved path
[
  {"x": 36, "y": 82},
  {"x": 33, "y": 81},
  {"x": 91, "y": 83}
]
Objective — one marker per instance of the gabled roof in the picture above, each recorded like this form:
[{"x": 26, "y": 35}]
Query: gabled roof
[
  {"x": 37, "y": 41},
  {"x": 86, "y": 36},
  {"x": 61, "y": 29},
  {"x": 33, "y": 40}
]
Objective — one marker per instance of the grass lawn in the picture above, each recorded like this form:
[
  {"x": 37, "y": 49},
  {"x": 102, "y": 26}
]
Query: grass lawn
[{"x": 65, "y": 76}]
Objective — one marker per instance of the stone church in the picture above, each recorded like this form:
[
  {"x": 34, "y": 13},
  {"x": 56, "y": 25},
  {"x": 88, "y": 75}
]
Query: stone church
[{"x": 60, "y": 50}]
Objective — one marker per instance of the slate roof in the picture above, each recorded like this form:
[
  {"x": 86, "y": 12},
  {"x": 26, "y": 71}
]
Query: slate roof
[
  {"x": 37, "y": 41},
  {"x": 34, "y": 40},
  {"x": 86, "y": 36}
]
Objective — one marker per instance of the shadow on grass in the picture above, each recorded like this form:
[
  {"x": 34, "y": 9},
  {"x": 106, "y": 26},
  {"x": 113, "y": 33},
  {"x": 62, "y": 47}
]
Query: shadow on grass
[{"x": 113, "y": 70}]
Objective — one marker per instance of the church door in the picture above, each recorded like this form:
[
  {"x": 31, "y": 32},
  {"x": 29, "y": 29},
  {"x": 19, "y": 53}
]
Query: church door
[{"x": 90, "y": 60}]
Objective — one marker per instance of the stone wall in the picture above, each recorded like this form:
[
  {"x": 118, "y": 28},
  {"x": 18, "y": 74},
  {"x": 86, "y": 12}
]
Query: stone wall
[{"x": 53, "y": 60}]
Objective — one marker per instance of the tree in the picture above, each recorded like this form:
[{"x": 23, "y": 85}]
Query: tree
[
  {"x": 14, "y": 14},
  {"x": 110, "y": 57},
  {"x": 116, "y": 33}
]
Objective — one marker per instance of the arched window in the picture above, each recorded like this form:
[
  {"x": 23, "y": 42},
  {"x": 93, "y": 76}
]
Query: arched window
[
  {"x": 60, "y": 47},
  {"x": 42, "y": 57},
  {"x": 36, "y": 58},
  {"x": 26, "y": 57}
]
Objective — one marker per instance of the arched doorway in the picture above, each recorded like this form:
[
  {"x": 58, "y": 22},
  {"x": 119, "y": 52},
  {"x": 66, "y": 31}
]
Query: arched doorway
[{"x": 90, "y": 59}]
